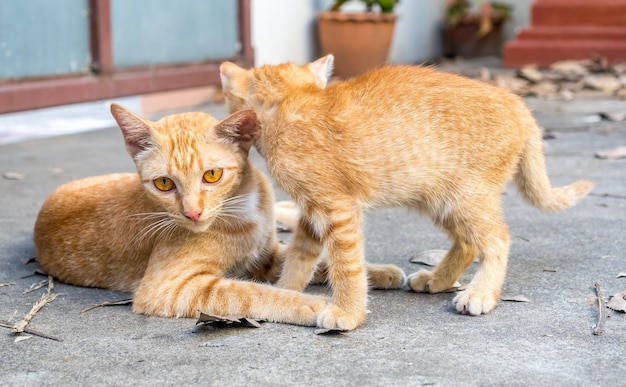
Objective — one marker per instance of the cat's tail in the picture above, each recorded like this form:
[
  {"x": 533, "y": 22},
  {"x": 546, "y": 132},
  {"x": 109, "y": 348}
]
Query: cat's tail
[{"x": 534, "y": 185}]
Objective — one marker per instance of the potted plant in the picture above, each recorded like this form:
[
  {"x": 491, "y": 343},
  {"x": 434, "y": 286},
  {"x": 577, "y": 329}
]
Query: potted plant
[
  {"x": 470, "y": 34},
  {"x": 359, "y": 41}
]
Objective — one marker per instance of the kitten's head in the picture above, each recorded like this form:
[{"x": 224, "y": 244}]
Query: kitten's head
[
  {"x": 191, "y": 164},
  {"x": 243, "y": 88}
]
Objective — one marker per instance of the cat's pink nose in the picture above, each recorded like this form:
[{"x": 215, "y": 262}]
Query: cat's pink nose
[{"x": 193, "y": 215}]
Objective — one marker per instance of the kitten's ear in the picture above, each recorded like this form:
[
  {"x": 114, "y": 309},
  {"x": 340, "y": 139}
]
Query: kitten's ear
[
  {"x": 228, "y": 71},
  {"x": 238, "y": 128},
  {"x": 322, "y": 70},
  {"x": 136, "y": 130}
]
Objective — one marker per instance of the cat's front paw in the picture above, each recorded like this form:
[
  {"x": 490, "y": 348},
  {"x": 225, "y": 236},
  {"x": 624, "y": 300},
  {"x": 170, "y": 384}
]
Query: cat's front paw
[
  {"x": 385, "y": 276},
  {"x": 425, "y": 282},
  {"x": 309, "y": 312},
  {"x": 475, "y": 302},
  {"x": 333, "y": 317}
]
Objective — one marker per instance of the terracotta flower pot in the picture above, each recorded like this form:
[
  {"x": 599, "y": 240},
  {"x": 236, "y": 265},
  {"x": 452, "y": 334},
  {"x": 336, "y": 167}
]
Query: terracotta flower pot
[{"x": 359, "y": 41}]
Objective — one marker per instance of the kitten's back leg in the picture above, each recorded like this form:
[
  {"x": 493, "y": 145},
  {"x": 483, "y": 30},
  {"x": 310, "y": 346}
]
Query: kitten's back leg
[{"x": 476, "y": 230}]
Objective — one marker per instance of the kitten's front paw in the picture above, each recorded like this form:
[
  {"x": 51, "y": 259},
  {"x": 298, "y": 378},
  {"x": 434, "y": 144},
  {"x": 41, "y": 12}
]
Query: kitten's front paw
[
  {"x": 385, "y": 276},
  {"x": 474, "y": 302},
  {"x": 425, "y": 282},
  {"x": 333, "y": 317}
]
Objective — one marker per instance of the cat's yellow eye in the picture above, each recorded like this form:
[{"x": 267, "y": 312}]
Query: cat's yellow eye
[
  {"x": 164, "y": 183},
  {"x": 212, "y": 175}
]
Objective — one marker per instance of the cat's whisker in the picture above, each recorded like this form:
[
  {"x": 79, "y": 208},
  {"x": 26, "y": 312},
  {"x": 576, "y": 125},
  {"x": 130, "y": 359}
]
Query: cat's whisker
[
  {"x": 153, "y": 229},
  {"x": 147, "y": 215}
]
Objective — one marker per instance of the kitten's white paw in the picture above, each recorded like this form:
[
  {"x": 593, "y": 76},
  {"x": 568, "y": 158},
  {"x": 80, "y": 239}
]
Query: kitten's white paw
[
  {"x": 333, "y": 317},
  {"x": 425, "y": 282},
  {"x": 475, "y": 302}
]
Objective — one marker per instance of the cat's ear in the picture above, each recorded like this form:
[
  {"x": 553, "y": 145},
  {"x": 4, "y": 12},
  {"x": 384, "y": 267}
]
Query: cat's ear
[
  {"x": 228, "y": 71},
  {"x": 136, "y": 130},
  {"x": 322, "y": 70},
  {"x": 238, "y": 128}
]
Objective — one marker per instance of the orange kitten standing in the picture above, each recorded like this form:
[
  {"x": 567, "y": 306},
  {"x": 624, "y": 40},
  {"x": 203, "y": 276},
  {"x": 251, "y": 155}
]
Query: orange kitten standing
[
  {"x": 402, "y": 136},
  {"x": 196, "y": 216}
]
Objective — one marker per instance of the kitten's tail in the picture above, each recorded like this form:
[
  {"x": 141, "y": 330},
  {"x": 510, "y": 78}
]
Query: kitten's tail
[{"x": 534, "y": 185}]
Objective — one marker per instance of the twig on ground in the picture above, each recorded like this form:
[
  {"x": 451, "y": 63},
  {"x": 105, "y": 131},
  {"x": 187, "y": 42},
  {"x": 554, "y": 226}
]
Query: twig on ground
[
  {"x": 6, "y": 324},
  {"x": 28, "y": 260},
  {"x": 35, "y": 286},
  {"x": 607, "y": 195},
  {"x": 7, "y": 284},
  {"x": 108, "y": 303},
  {"x": 22, "y": 325},
  {"x": 599, "y": 328}
]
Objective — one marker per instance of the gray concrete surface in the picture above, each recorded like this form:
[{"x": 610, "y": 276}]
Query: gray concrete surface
[{"x": 407, "y": 340}]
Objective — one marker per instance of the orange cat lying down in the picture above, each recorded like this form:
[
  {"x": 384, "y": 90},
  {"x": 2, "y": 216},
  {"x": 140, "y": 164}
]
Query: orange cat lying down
[
  {"x": 402, "y": 136},
  {"x": 185, "y": 232}
]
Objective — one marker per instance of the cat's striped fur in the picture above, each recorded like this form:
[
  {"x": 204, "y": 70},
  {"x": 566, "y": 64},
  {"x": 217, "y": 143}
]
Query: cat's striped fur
[{"x": 402, "y": 136}]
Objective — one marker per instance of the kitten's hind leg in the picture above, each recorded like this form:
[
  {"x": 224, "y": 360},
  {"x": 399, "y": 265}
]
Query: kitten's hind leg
[
  {"x": 485, "y": 234},
  {"x": 447, "y": 272},
  {"x": 483, "y": 292}
]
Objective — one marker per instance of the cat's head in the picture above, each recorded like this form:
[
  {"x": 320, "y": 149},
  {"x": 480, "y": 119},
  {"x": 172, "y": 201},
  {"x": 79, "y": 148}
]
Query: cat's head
[
  {"x": 243, "y": 88},
  {"x": 191, "y": 164}
]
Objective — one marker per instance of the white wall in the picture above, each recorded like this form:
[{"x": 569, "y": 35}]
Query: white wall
[{"x": 284, "y": 30}]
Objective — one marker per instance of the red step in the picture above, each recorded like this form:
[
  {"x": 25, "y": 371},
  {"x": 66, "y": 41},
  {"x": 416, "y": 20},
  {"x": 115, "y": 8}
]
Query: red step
[{"x": 570, "y": 29}]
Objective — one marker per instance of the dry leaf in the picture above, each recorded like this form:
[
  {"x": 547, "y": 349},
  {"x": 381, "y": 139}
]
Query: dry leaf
[
  {"x": 514, "y": 85},
  {"x": 621, "y": 274},
  {"x": 127, "y": 301},
  {"x": 619, "y": 68},
  {"x": 429, "y": 257},
  {"x": 612, "y": 154},
  {"x": 621, "y": 93},
  {"x": 530, "y": 73},
  {"x": 518, "y": 298},
  {"x": 207, "y": 319},
  {"x": 569, "y": 68},
  {"x": 616, "y": 117},
  {"x": 13, "y": 176},
  {"x": 618, "y": 302},
  {"x": 329, "y": 331},
  {"x": 543, "y": 89},
  {"x": 605, "y": 83},
  {"x": 550, "y": 135},
  {"x": 19, "y": 338}
]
